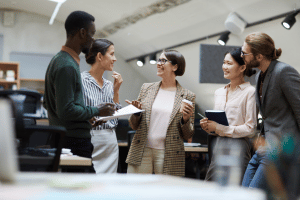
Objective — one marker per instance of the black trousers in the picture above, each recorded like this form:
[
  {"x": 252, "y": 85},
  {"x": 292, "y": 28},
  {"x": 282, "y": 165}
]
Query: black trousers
[{"x": 81, "y": 147}]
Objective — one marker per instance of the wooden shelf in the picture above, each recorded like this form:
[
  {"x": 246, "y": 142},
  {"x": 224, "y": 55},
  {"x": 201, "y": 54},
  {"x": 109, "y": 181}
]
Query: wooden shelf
[
  {"x": 7, "y": 82},
  {"x": 4, "y": 66}
]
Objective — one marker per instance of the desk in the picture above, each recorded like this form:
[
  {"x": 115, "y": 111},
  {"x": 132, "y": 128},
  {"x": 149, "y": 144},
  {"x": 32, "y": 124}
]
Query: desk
[
  {"x": 72, "y": 163},
  {"x": 33, "y": 186},
  {"x": 75, "y": 161}
]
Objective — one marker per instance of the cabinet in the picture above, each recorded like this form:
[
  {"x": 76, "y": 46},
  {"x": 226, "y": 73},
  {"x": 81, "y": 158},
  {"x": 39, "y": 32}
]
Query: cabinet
[{"x": 10, "y": 84}]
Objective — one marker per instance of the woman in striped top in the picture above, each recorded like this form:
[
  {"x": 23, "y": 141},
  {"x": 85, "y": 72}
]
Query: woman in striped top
[{"x": 98, "y": 90}]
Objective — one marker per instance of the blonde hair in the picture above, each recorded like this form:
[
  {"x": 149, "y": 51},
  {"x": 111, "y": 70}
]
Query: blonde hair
[{"x": 261, "y": 43}]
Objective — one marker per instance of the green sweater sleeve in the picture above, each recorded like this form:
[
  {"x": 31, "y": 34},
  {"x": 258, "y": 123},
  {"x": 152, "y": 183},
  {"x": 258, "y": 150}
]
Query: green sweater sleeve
[{"x": 70, "y": 105}]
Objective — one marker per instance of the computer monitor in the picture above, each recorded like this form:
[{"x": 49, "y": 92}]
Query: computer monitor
[{"x": 8, "y": 152}]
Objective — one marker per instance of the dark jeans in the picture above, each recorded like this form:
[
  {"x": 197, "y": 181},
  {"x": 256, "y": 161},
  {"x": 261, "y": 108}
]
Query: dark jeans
[
  {"x": 254, "y": 176},
  {"x": 226, "y": 141},
  {"x": 81, "y": 147}
]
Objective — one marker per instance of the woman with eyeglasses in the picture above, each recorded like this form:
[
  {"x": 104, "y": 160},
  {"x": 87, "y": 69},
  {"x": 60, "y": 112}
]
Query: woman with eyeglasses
[
  {"x": 157, "y": 146},
  {"x": 237, "y": 99}
]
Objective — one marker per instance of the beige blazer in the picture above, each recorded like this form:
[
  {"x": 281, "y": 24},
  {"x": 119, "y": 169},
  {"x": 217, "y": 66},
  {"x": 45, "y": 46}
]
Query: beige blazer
[{"x": 174, "y": 160}]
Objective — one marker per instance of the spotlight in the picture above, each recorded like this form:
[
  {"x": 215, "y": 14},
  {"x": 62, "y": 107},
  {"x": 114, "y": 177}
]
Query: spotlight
[
  {"x": 153, "y": 59},
  {"x": 140, "y": 62},
  {"x": 289, "y": 21},
  {"x": 223, "y": 38}
]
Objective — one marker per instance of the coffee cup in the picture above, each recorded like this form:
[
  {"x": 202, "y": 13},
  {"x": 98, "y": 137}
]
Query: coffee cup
[{"x": 184, "y": 102}]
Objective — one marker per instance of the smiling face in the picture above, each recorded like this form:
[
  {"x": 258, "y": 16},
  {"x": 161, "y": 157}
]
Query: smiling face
[
  {"x": 107, "y": 61},
  {"x": 231, "y": 68},
  {"x": 165, "y": 70}
]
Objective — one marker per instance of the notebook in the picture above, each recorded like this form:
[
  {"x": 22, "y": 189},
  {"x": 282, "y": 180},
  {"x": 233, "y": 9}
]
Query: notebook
[
  {"x": 218, "y": 116},
  {"x": 128, "y": 110}
]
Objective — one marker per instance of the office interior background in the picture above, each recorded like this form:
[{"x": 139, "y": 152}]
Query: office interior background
[{"x": 139, "y": 28}]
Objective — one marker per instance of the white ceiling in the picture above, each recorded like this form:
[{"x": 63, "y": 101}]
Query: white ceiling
[{"x": 189, "y": 21}]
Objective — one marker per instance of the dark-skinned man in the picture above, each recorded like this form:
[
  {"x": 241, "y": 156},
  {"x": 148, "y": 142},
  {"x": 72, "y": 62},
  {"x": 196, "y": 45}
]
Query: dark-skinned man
[{"x": 63, "y": 96}]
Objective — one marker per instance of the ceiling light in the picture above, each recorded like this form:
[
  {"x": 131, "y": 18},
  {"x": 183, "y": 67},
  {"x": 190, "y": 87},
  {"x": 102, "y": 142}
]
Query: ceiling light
[
  {"x": 59, "y": 3},
  {"x": 153, "y": 59},
  {"x": 289, "y": 21},
  {"x": 140, "y": 62},
  {"x": 223, "y": 38}
]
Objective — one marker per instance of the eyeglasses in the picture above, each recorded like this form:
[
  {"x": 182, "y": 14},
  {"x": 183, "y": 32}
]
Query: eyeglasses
[
  {"x": 245, "y": 54},
  {"x": 163, "y": 61}
]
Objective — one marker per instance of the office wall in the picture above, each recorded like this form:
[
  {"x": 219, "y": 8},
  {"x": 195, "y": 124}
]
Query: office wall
[
  {"x": 288, "y": 40},
  {"x": 34, "y": 65},
  {"x": 33, "y": 41},
  {"x": 1, "y": 47}
]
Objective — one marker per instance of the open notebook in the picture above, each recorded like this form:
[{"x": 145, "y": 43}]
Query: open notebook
[{"x": 128, "y": 110}]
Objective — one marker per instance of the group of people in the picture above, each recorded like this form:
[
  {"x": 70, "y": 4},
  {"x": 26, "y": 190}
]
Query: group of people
[{"x": 75, "y": 100}]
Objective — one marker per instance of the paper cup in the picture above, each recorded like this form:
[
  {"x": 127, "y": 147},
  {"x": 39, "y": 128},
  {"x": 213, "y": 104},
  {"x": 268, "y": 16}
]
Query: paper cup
[{"x": 185, "y": 101}]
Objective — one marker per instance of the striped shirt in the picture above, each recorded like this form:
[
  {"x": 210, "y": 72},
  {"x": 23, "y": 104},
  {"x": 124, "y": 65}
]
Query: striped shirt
[{"x": 94, "y": 95}]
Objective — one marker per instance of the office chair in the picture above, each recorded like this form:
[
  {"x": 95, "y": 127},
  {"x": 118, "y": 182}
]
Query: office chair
[{"x": 39, "y": 147}]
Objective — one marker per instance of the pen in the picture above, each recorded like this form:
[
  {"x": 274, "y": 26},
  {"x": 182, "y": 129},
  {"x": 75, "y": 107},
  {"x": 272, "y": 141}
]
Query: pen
[{"x": 201, "y": 115}]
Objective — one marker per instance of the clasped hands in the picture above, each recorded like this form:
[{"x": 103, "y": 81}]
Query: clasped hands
[
  {"x": 105, "y": 109},
  {"x": 208, "y": 126}
]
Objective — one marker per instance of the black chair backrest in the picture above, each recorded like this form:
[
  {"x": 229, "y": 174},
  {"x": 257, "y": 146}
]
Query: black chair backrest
[
  {"x": 26, "y": 105},
  {"x": 41, "y": 152},
  {"x": 39, "y": 146}
]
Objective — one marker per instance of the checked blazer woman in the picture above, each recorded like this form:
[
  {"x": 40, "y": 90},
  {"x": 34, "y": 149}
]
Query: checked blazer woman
[{"x": 157, "y": 146}]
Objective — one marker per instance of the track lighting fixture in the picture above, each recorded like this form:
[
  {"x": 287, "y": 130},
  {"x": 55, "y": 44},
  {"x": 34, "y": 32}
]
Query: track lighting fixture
[
  {"x": 152, "y": 59},
  {"x": 140, "y": 62},
  {"x": 223, "y": 38},
  {"x": 289, "y": 21}
]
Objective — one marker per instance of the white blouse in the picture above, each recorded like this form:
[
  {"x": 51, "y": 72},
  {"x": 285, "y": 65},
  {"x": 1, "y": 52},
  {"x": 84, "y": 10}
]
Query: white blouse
[
  {"x": 160, "y": 116},
  {"x": 240, "y": 110}
]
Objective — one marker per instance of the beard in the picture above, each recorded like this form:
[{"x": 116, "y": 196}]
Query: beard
[{"x": 253, "y": 64}]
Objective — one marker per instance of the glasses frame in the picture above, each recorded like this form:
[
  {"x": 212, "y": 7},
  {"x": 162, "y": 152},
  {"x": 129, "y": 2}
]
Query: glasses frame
[
  {"x": 245, "y": 54},
  {"x": 163, "y": 61}
]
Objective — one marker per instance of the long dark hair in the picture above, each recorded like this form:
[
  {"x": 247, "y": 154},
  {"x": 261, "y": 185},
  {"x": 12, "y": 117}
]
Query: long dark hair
[
  {"x": 236, "y": 54},
  {"x": 99, "y": 45}
]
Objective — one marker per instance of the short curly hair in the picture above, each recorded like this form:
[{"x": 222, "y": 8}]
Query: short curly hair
[{"x": 76, "y": 21}]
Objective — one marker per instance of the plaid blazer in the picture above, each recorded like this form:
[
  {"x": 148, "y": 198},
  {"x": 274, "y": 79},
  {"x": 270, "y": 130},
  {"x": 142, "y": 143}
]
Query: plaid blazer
[{"x": 174, "y": 160}]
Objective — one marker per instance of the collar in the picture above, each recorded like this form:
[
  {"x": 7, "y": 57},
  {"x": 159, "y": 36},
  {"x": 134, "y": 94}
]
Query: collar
[
  {"x": 241, "y": 86},
  {"x": 88, "y": 76},
  {"x": 72, "y": 53}
]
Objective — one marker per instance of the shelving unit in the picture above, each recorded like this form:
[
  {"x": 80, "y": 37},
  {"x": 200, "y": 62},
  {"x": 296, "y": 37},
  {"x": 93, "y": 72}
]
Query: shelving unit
[
  {"x": 4, "y": 66},
  {"x": 33, "y": 84}
]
